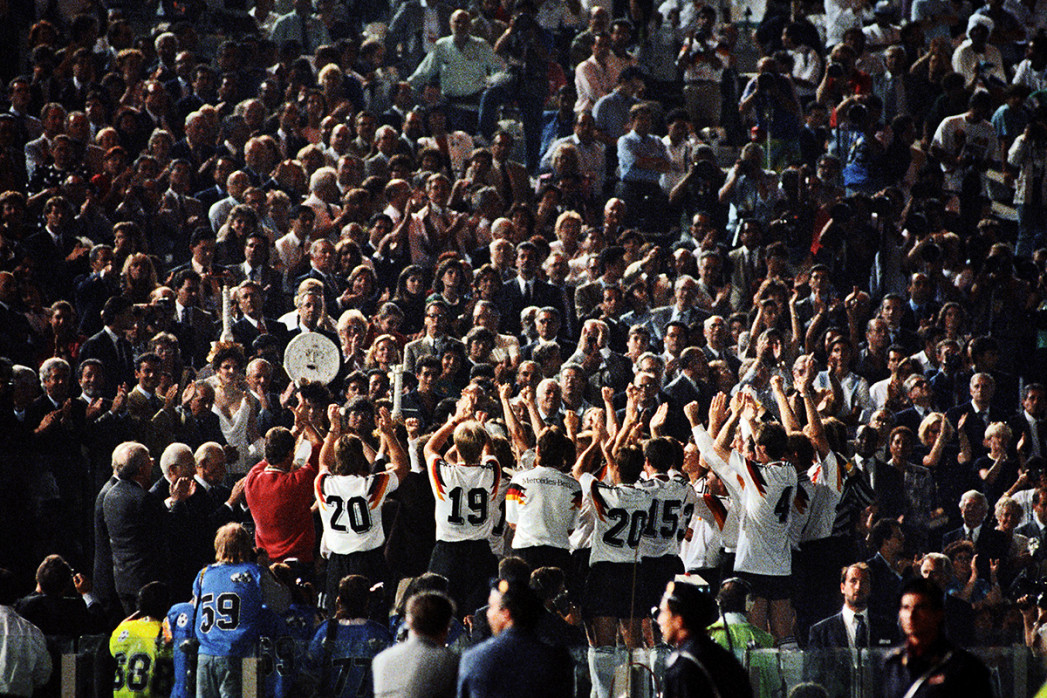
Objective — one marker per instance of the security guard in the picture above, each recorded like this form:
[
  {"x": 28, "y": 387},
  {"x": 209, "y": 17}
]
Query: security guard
[
  {"x": 928, "y": 665},
  {"x": 699, "y": 668}
]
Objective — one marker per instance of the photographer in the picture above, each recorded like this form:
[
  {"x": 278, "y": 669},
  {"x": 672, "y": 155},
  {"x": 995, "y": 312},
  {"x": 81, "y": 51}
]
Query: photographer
[
  {"x": 1027, "y": 159},
  {"x": 769, "y": 102},
  {"x": 698, "y": 190},
  {"x": 523, "y": 47}
]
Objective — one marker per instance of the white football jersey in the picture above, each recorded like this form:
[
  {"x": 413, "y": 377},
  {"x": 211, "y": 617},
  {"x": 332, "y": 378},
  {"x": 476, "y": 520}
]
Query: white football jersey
[
  {"x": 767, "y": 499},
  {"x": 620, "y": 517},
  {"x": 498, "y": 509},
  {"x": 711, "y": 514},
  {"x": 582, "y": 536},
  {"x": 826, "y": 477},
  {"x": 544, "y": 504},
  {"x": 351, "y": 510},
  {"x": 672, "y": 505},
  {"x": 466, "y": 499}
]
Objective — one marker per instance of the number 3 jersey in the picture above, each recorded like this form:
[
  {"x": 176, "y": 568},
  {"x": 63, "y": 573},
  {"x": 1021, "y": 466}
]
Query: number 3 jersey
[
  {"x": 619, "y": 519},
  {"x": 230, "y": 613},
  {"x": 351, "y": 510},
  {"x": 464, "y": 496},
  {"x": 143, "y": 660}
]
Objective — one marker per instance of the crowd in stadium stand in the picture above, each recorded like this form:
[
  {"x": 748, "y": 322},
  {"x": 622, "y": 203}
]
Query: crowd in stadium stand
[{"x": 615, "y": 292}]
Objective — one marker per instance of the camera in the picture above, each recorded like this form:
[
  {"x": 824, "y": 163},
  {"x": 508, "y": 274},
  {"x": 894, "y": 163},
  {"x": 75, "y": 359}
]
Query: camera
[
  {"x": 835, "y": 70},
  {"x": 1036, "y": 591}
]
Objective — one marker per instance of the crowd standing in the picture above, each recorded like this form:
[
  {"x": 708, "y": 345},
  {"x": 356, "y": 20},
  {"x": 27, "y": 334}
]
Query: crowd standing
[{"x": 619, "y": 292}]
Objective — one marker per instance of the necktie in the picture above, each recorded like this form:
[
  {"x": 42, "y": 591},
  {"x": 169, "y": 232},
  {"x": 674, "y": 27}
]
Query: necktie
[
  {"x": 261, "y": 327},
  {"x": 861, "y": 632},
  {"x": 304, "y": 28}
]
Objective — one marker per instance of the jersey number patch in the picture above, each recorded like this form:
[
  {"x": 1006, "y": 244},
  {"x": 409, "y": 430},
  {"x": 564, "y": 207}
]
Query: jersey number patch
[
  {"x": 475, "y": 500},
  {"x": 636, "y": 524},
  {"x": 356, "y": 508},
  {"x": 222, "y": 613}
]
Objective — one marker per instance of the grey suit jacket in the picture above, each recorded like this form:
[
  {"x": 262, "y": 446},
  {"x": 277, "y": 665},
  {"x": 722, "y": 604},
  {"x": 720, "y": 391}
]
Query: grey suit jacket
[
  {"x": 416, "y": 668},
  {"x": 421, "y": 347}
]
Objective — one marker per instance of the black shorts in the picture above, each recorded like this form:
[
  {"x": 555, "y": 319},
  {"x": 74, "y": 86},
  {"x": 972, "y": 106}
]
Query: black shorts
[
  {"x": 655, "y": 573},
  {"x": 368, "y": 563},
  {"x": 579, "y": 573},
  {"x": 545, "y": 556},
  {"x": 609, "y": 591},
  {"x": 770, "y": 587},
  {"x": 469, "y": 566}
]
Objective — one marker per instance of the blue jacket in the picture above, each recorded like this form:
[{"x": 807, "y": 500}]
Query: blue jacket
[{"x": 515, "y": 663}]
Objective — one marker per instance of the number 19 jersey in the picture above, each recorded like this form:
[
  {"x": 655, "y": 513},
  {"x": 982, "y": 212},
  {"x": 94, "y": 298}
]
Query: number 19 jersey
[
  {"x": 619, "y": 517},
  {"x": 465, "y": 497}
]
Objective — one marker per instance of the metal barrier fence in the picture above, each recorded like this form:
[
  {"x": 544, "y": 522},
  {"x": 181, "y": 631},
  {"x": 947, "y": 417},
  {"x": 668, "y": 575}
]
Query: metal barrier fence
[{"x": 83, "y": 670}]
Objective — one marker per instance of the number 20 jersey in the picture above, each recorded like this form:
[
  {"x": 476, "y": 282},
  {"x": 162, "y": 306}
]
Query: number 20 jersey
[
  {"x": 620, "y": 517},
  {"x": 230, "y": 615},
  {"x": 351, "y": 510},
  {"x": 464, "y": 497}
]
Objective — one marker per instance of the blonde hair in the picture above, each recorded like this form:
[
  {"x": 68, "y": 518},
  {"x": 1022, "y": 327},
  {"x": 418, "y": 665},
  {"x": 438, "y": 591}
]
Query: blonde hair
[
  {"x": 470, "y": 437},
  {"x": 999, "y": 429},
  {"x": 233, "y": 544}
]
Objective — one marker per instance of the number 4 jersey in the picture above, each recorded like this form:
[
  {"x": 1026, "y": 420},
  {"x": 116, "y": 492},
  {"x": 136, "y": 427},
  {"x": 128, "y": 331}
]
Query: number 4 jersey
[
  {"x": 351, "y": 510},
  {"x": 230, "y": 613},
  {"x": 620, "y": 517},
  {"x": 464, "y": 496},
  {"x": 765, "y": 492}
]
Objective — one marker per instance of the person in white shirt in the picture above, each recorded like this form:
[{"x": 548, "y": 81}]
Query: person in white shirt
[
  {"x": 350, "y": 499},
  {"x": 856, "y": 406},
  {"x": 853, "y": 618},
  {"x": 975, "y": 58},
  {"x": 597, "y": 76},
  {"x": 464, "y": 492},
  {"x": 23, "y": 650},
  {"x": 763, "y": 486}
]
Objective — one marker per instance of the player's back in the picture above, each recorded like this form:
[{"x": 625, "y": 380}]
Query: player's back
[{"x": 143, "y": 660}]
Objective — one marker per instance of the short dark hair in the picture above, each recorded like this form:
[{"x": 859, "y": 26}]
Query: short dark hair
[
  {"x": 429, "y": 613},
  {"x": 354, "y": 593},
  {"x": 279, "y": 443},
  {"x": 523, "y": 604},
  {"x": 114, "y": 308},
  {"x": 147, "y": 357},
  {"x": 555, "y": 449},
  {"x": 659, "y": 453},
  {"x": 154, "y": 599},
  {"x": 881, "y": 531},
  {"x": 54, "y": 576},
  {"x": 930, "y": 591}
]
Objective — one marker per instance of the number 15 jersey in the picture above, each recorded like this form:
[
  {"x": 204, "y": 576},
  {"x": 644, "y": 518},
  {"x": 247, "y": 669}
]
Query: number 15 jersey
[
  {"x": 619, "y": 516},
  {"x": 464, "y": 498}
]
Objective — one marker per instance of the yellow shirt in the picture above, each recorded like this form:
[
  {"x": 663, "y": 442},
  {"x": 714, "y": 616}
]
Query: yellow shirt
[{"x": 144, "y": 664}]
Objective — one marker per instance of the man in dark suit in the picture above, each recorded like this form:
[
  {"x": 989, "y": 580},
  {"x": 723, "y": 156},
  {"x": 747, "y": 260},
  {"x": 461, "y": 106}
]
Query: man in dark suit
[
  {"x": 322, "y": 262},
  {"x": 1037, "y": 528},
  {"x": 514, "y": 662},
  {"x": 102, "y": 578},
  {"x": 1030, "y": 423},
  {"x": 421, "y": 401},
  {"x": 885, "y": 482},
  {"x": 979, "y": 413},
  {"x": 111, "y": 347},
  {"x": 920, "y": 393},
  {"x": 612, "y": 269},
  {"x": 689, "y": 386},
  {"x": 93, "y": 289},
  {"x": 17, "y": 339},
  {"x": 59, "y": 256},
  {"x": 194, "y": 327},
  {"x": 887, "y": 539},
  {"x": 210, "y": 506},
  {"x": 253, "y": 323},
  {"x": 136, "y": 522},
  {"x": 547, "y": 322},
  {"x": 852, "y": 627},
  {"x": 256, "y": 268},
  {"x": 194, "y": 422},
  {"x": 525, "y": 290},
  {"x": 717, "y": 342},
  {"x": 989, "y": 544}
]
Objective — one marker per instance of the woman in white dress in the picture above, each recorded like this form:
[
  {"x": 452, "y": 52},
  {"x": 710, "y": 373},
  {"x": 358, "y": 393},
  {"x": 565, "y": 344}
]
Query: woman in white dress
[{"x": 236, "y": 408}]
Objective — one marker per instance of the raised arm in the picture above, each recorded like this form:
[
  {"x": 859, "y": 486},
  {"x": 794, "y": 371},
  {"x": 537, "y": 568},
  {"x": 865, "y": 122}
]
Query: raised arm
[
  {"x": 463, "y": 411},
  {"x": 814, "y": 420},
  {"x": 399, "y": 463}
]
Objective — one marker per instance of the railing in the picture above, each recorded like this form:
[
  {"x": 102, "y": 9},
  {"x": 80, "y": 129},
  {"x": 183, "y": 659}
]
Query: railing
[{"x": 1015, "y": 671}]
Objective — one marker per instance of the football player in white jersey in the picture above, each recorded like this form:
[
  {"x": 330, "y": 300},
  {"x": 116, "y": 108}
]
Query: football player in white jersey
[
  {"x": 543, "y": 503},
  {"x": 465, "y": 489},
  {"x": 350, "y": 499},
  {"x": 611, "y": 601},
  {"x": 768, "y": 487},
  {"x": 668, "y": 520}
]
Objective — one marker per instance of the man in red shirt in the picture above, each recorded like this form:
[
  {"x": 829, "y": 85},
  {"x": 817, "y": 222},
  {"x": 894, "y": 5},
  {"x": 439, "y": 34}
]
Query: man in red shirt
[{"x": 279, "y": 492}]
